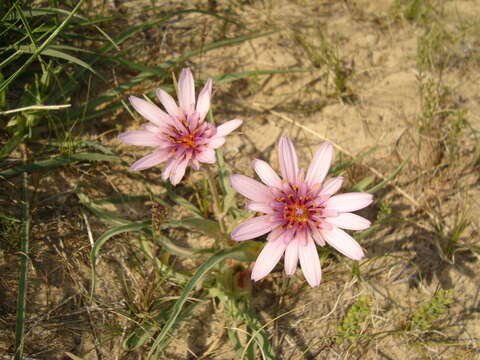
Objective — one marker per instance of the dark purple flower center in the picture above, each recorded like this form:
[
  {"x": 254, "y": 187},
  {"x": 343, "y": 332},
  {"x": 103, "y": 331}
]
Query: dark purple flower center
[{"x": 296, "y": 209}]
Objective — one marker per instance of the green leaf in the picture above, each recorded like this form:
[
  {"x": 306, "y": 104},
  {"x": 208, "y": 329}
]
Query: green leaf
[
  {"x": 362, "y": 184},
  {"x": 205, "y": 226},
  {"x": 388, "y": 179},
  {"x": 138, "y": 226},
  {"x": 61, "y": 55},
  {"x": 194, "y": 281},
  {"x": 182, "y": 201},
  {"x": 43, "y": 165}
]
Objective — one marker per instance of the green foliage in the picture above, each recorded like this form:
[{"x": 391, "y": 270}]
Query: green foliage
[
  {"x": 10, "y": 230},
  {"x": 412, "y": 10},
  {"x": 354, "y": 322},
  {"x": 434, "y": 49},
  {"x": 428, "y": 313}
]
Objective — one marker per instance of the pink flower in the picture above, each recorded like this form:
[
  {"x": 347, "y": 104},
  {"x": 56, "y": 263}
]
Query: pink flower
[
  {"x": 180, "y": 135},
  {"x": 299, "y": 211}
]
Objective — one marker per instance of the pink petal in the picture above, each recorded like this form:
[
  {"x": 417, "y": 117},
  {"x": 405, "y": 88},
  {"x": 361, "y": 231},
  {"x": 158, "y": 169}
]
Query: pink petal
[
  {"x": 186, "y": 90},
  {"x": 254, "y": 228},
  {"x": 266, "y": 173},
  {"x": 288, "y": 160},
  {"x": 251, "y": 189},
  {"x": 150, "y": 160},
  {"x": 141, "y": 138},
  {"x": 317, "y": 236},
  {"x": 349, "y": 201},
  {"x": 203, "y": 103},
  {"x": 195, "y": 164},
  {"x": 320, "y": 164},
  {"x": 310, "y": 263},
  {"x": 349, "y": 221},
  {"x": 168, "y": 103},
  {"x": 343, "y": 243},
  {"x": 168, "y": 167},
  {"x": 152, "y": 128},
  {"x": 207, "y": 155},
  {"x": 268, "y": 258},
  {"x": 150, "y": 111},
  {"x": 260, "y": 207},
  {"x": 291, "y": 257},
  {"x": 216, "y": 142},
  {"x": 228, "y": 127},
  {"x": 276, "y": 233},
  {"x": 178, "y": 171},
  {"x": 331, "y": 186}
]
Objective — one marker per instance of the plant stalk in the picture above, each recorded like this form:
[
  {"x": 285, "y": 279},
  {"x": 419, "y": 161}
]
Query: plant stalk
[{"x": 22, "y": 287}]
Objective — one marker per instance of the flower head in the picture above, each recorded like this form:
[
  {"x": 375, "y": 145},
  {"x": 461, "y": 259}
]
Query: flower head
[
  {"x": 180, "y": 135},
  {"x": 299, "y": 211}
]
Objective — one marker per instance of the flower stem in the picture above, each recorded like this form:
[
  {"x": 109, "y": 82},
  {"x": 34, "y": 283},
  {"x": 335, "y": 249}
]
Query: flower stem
[
  {"x": 22, "y": 287},
  {"x": 217, "y": 209}
]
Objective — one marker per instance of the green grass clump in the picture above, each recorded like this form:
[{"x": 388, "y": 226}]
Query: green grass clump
[
  {"x": 353, "y": 323},
  {"x": 428, "y": 313}
]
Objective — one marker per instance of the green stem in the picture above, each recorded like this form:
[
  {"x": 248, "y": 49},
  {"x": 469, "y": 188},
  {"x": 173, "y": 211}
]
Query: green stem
[
  {"x": 217, "y": 209},
  {"x": 22, "y": 288}
]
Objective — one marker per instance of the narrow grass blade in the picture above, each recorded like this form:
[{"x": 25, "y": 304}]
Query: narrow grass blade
[
  {"x": 61, "y": 55},
  {"x": 261, "y": 337},
  {"x": 205, "y": 226},
  {"x": 42, "y": 47},
  {"x": 146, "y": 331},
  {"x": 164, "y": 67},
  {"x": 182, "y": 201},
  {"x": 174, "y": 249},
  {"x": 35, "y": 107},
  {"x": 138, "y": 226},
  {"x": 43, "y": 165},
  {"x": 388, "y": 179},
  {"x": 22, "y": 287},
  {"x": 197, "y": 277}
]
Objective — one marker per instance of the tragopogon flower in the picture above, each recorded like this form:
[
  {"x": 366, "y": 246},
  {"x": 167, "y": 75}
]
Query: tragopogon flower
[
  {"x": 180, "y": 134},
  {"x": 299, "y": 212}
]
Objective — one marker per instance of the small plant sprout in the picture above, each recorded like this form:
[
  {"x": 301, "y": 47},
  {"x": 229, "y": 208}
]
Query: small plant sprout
[
  {"x": 299, "y": 212},
  {"x": 180, "y": 135}
]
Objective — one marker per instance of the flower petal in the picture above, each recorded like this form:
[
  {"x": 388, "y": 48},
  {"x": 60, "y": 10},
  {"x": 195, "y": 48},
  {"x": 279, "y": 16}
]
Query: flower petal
[
  {"x": 260, "y": 207},
  {"x": 216, "y": 142},
  {"x": 254, "y": 228},
  {"x": 152, "y": 128},
  {"x": 151, "y": 160},
  {"x": 168, "y": 103},
  {"x": 168, "y": 167},
  {"x": 288, "y": 159},
  {"x": 186, "y": 90},
  {"x": 204, "y": 98},
  {"x": 268, "y": 258},
  {"x": 150, "y": 111},
  {"x": 343, "y": 242},
  {"x": 178, "y": 171},
  {"x": 320, "y": 164},
  {"x": 316, "y": 235},
  {"x": 349, "y": 221},
  {"x": 266, "y": 173},
  {"x": 349, "y": 201},
  {"x": 310, "y": 263},
  {"x": 228, "y": 127},
  {"x": 291, "y": 257},
  {"x": 141, "y": 138},
  {"x": 331, "y": 186},
  {"x": 207, "y": 155},
  {"x": 251, "y": 189}
]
